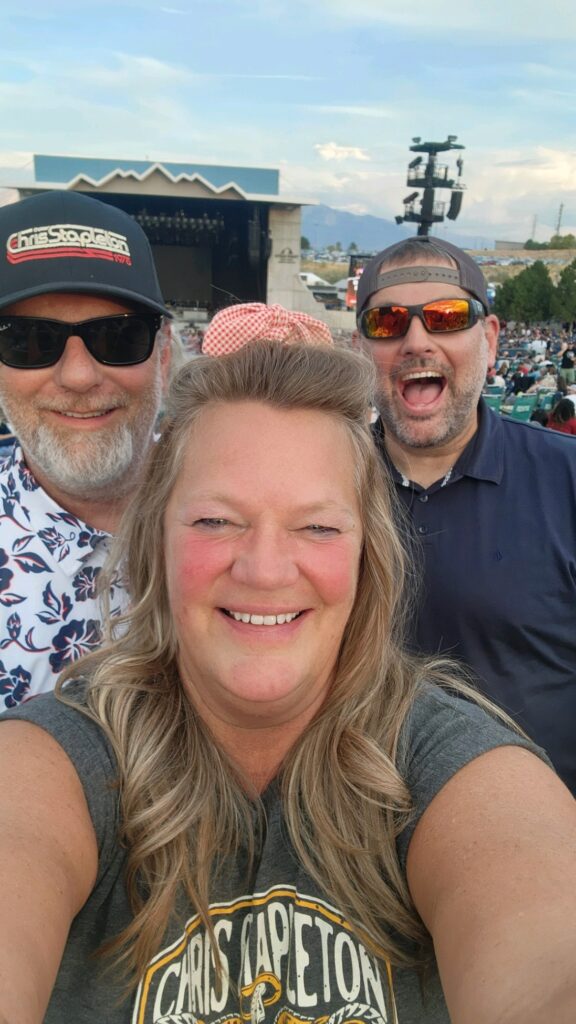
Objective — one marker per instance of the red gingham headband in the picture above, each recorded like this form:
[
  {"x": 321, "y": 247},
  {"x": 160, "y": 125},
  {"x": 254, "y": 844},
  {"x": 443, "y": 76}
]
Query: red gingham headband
[{"x": 232, "y": 327}]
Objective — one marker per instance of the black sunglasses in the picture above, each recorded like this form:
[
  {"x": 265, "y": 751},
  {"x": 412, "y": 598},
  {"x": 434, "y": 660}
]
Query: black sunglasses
[
  {"x": 442, "y": 316},
  {"x": 33, "y": 343}
]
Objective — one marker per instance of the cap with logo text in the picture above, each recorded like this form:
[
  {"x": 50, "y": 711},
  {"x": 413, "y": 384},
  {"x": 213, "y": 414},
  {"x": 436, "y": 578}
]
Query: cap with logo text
[
  {"x": 68, "y": 242},
  {"x": 466, "y": 273}
]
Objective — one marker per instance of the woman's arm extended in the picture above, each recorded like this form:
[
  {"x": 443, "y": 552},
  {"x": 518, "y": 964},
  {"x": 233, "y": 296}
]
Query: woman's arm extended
[
  {"x": 492, "y": 871},
  {"x": 49, "y": 859}
]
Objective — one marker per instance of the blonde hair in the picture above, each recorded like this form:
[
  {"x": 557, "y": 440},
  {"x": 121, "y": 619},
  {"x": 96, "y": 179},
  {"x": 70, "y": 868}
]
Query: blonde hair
[{"x": 184, "y": 808}]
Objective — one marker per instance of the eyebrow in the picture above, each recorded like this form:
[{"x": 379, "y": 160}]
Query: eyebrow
[{"x": 311, "y": 509}]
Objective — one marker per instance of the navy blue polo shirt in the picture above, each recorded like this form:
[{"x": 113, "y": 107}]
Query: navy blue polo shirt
[{"x": 497, "y": 546}]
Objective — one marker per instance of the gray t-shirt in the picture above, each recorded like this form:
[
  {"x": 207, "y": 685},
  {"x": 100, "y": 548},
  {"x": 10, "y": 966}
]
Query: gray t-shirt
[{"x": 289, "y": 954}]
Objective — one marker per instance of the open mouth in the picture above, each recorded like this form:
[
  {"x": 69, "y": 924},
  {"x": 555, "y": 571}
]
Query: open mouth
[
  {"x": 421, "y": 388},
  {"x": 262, "y": 620}
]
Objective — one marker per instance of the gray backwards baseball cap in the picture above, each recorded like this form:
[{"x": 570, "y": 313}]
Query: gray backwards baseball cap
[
  {"x": 67, "y": 242},
  {"x": 466, "y": 274}
]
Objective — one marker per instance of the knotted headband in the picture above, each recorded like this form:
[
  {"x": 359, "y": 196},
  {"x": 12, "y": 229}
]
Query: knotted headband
[{"x": 232, "y": 327}]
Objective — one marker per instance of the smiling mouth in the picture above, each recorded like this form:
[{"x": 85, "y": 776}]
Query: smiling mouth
[
  {"x": 96, "y": 414},
  {"x": 262, "y": 620},
  {"x": 422, "y": 387}
]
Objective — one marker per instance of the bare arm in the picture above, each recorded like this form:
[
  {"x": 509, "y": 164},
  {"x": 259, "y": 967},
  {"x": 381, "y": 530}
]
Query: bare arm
[
  {"x": 49, "y": 860},
  {"x": 492, "y": 870}
]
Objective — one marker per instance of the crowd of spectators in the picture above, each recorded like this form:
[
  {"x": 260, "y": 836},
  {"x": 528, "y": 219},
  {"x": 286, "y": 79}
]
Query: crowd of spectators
[{"x": 538, "y": 361}]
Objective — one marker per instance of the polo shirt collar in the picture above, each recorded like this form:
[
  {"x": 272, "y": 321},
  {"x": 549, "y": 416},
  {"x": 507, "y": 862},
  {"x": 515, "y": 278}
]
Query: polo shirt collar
[{"x": 482, "y": 458}]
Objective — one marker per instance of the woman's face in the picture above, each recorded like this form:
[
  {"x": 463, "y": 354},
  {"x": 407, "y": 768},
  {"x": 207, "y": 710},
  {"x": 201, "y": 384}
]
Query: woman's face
[{"x": 263, "y": 540}]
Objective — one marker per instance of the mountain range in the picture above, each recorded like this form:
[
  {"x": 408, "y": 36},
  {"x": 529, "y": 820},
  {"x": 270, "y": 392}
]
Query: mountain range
[{"x": 324, "y": 226}]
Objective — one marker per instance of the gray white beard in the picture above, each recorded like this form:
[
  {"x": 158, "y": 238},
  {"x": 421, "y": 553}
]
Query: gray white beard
[{"x": 90, "y": 467}]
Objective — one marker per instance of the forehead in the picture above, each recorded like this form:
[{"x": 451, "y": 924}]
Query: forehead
[
  {"x": 260, "y": 452},
  {"x": 73, "y": 306}
]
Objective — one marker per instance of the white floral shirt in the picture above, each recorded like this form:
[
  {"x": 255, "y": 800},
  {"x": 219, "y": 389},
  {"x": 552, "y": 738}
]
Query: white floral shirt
[{"x": 49, "y": 564}]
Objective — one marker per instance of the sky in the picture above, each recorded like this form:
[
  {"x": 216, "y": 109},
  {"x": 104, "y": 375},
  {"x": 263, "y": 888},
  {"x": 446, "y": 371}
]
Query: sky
[{"x": 330, "y": 92}]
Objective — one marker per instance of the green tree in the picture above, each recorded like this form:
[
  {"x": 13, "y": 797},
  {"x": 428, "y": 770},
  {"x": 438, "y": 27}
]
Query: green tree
[
  {"x": 352, "y": 247},
  {"x": 562, "y": 242},
  {"x": 304, "y": 242},
  {"x": 504, "y": 299},
  {"x": 528, "y": 296},
  {"x": 564, "y": 304},
  {"x": 534, "y": 293}
]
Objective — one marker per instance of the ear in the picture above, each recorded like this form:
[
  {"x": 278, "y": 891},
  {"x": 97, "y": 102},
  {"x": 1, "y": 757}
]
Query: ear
[{"x": 491, "y": 326}]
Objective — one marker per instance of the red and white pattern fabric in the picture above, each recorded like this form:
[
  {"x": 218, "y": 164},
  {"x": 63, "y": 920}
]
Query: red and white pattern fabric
[{"x": 232, "y": 327}]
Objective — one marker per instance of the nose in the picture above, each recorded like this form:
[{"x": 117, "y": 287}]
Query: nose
[
  {"x": 417, "y": 341},
  {"x": 76, "y": 369},
  {"x": 265, "y": 560}
]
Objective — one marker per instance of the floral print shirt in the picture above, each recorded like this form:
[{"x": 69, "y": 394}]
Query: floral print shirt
[{"x": 49, "y": 564}]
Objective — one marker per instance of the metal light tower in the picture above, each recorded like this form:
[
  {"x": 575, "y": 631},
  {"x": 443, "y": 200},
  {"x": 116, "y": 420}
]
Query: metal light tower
[{"x": 430, "y": 176}]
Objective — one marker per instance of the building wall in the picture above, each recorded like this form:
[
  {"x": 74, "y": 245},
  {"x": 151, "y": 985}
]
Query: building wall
[
  {"x": 284, "y": 284},
  {"x": 501, "y": 245},
  {"x": 284, "y": 225}
]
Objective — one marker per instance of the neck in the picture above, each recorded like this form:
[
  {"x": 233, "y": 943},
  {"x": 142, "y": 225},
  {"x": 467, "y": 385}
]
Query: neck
[
  {"x": 101, "y": 510},
  {"x": 258, "y": 754},
  {"x": 424, "y": 466},
  {"x": 256, "y": 746}
]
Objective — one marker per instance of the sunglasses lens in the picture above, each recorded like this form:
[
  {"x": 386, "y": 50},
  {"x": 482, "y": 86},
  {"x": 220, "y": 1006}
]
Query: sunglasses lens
[
  {"x": 447, "y": 315},
  {"x": 32, "y": 343},
  {"x": 29, "y": 343},
  {"x": 121, "y": 340},
  {"x": 385, "y": 322}
]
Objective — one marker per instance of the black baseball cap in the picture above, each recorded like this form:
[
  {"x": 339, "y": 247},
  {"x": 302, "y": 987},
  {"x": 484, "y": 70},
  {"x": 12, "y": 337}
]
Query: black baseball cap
[
  {"x": 466, "y": 274},
  {"x": 68, "y": 242}
]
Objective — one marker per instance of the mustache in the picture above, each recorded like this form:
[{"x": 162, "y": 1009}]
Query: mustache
[
  {"x": 119, "y": 402},
  {"x": 421, "y": 364}
]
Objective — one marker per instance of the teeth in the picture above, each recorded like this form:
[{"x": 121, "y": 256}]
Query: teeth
[
  {"x": 264, "y": 620},
  {"x": 84, "y": 415},
  {"x": 423, "y": 374}
]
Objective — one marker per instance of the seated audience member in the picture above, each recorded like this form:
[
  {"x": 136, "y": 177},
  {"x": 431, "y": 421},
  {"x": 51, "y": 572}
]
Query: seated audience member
[
  {"x": 547, "y": 381},
  {"x": 562, "y": 417},
  {"x": 255, "y": 805},
  {"x": 539, "y": 416},
  {"x": 494, "y": 379}
]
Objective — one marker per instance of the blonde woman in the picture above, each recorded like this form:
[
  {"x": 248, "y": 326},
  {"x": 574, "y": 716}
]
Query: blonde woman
[{"x": 255, "y": 806}]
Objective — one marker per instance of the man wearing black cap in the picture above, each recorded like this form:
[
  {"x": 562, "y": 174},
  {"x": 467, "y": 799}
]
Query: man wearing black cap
[
  {"x": 492, "y": 500},
  {"x": 84, "y": 356}
]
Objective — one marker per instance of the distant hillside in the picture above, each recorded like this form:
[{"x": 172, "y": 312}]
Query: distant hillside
[{"x": 324, "y": 226}]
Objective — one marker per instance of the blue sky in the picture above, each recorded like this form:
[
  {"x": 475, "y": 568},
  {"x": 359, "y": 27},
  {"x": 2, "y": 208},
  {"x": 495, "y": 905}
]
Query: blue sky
[{"x": 329, "y": 91}]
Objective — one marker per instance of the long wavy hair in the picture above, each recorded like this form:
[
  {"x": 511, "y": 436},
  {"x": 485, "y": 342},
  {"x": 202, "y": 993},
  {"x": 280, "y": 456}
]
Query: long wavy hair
[{"x": 184, "y": 807}]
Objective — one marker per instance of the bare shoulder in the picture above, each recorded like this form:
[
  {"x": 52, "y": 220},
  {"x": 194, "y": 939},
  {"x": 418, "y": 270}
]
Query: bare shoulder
[
  {"x": 49, "y": 862},
  {"x": 492, "y": 871},
  {"x": 43, "y": 801}
]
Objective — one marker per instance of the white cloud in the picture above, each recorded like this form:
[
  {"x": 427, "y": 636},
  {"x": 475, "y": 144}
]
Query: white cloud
[
  {"x": 282, "y": 78},
  {"x": 351, "y": 111},
  {"x": 332, "y": 151},
  {"x": 489, "y": 20}
]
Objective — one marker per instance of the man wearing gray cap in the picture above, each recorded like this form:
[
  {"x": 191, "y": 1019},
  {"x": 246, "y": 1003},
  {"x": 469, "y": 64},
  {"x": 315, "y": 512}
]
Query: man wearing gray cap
[
  {"x": 84, "y": 356},
  {"x": 492, "y": 500}
]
